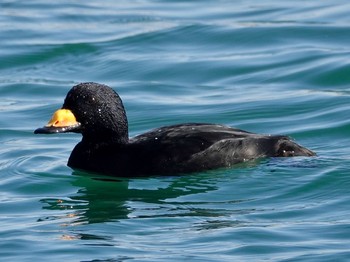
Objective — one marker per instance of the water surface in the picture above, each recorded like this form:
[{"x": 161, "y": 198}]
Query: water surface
[{"x": 271, "y": 67}]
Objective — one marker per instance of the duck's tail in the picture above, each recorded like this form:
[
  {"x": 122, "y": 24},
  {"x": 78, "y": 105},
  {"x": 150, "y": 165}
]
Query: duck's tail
[{"x": 286, "y": 148}]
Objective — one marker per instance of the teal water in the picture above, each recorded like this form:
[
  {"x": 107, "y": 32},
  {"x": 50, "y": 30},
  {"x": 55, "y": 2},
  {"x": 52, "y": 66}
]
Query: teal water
[{"x": 274, "y": 67}]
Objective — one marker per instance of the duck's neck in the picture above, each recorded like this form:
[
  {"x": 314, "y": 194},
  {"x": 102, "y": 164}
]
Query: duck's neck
[{"x": 106, "y": 139}]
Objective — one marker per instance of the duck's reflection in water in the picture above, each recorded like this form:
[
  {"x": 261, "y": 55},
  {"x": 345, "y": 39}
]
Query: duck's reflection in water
[{"x": 102, "y": 199}]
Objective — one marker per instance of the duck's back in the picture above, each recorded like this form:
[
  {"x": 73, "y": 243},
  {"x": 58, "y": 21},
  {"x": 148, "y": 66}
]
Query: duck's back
[{"x": 195, "y": 147}]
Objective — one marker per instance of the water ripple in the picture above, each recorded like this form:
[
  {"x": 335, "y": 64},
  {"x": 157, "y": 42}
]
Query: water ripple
[{"x": 272, "y": 67}]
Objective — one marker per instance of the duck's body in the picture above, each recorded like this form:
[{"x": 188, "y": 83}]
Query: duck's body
[{"x": 106, "y": 148}]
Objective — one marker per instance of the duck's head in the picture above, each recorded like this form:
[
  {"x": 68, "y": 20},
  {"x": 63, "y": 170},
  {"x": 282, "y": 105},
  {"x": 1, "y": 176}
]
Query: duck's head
[{"x": 95, "y": 110}]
